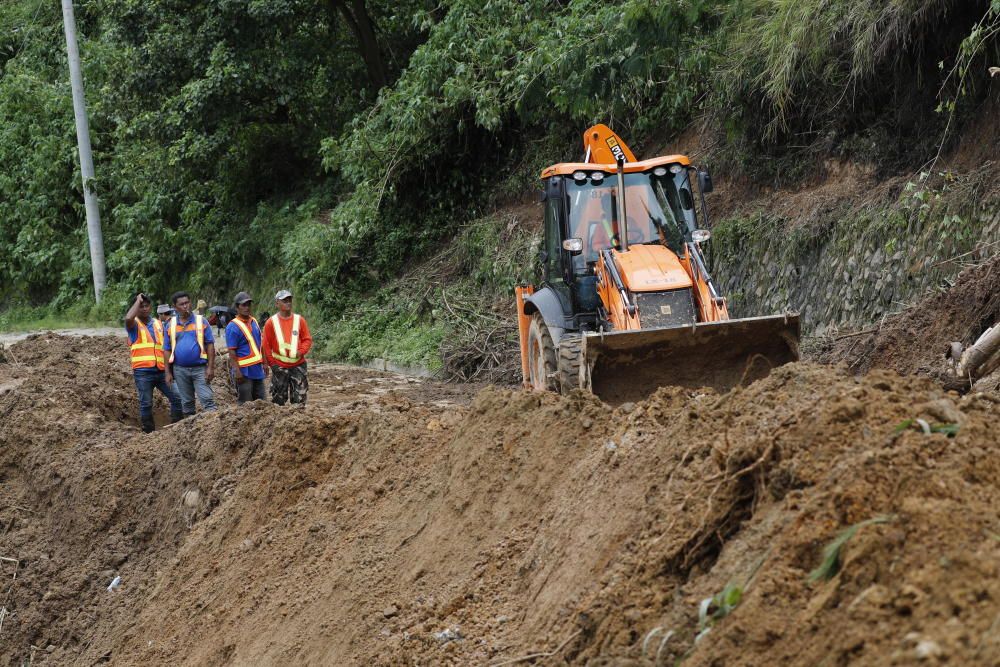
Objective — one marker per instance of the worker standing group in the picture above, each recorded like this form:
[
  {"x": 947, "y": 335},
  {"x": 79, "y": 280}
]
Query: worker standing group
[{"x": 175, "y": 354}]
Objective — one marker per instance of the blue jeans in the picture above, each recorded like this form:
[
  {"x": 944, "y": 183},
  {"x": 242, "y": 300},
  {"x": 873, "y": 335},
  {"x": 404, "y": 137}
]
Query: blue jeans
[
  {"x": 190, "y": 380},
  {"x": 145, "y": 382}
]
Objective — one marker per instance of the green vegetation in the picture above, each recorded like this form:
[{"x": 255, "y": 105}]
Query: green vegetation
[
  {"x": 335, "y": 147},
  {"x": 718, "y": 607},
  {"x": 832, "y": 553},
  {"x": 43, "y": 317},
  {"x": 950, "y": 430},
  {"x": 445, "y": 309},
  {"x": 710, "y": 611}
]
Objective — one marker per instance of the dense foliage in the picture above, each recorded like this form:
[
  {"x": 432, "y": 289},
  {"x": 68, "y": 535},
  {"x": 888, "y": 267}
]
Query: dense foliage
[
  {"x": 330, "y": 145},
  {"x": 204, "y": 114}
]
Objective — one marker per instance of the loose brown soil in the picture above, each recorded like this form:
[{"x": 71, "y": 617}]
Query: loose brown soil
[
  {"x": 400, "y": 521},
  {"x": 915, "y": 340}
]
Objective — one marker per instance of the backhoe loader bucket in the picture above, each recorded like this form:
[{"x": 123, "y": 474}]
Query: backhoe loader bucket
[{"x": 630, "y": 365}]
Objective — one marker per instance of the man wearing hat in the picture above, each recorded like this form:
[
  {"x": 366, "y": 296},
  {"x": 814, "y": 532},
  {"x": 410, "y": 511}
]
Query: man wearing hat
[
  {"x": 246, "y": 362},
  {"x": 164, "y": 312},
  {"x": 145, "y": 338},
  {"x": 286, "y": 343}
]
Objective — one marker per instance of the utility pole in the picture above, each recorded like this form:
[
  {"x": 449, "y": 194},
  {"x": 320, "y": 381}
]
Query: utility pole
[{"x": 86, "y": 159}]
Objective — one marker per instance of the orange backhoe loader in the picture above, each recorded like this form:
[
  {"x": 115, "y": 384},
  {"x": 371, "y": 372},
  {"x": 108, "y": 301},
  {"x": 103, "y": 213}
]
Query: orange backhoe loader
[{"x": 627, "y": 304}]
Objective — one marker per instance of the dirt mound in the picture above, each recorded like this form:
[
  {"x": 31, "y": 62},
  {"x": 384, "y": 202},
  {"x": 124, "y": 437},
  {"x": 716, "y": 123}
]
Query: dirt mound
[
  {"x": 388, "y": 528},
  {"x": 88, "y": 378},
  {"x": 915, "y": 340}
]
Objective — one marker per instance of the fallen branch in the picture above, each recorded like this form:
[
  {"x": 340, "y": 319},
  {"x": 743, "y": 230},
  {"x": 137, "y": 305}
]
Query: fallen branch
[
  {"x": 532, "y": 656},
  {"x": 4, "y": 612},
  {"x": 857, "y": 333}
]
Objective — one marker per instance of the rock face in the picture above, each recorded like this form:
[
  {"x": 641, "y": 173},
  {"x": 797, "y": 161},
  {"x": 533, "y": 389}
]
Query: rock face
[{"x": 849, "y": 269}]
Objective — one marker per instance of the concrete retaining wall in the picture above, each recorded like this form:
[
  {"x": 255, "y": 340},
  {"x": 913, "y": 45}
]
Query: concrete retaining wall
[{"x": 851, "y": 268}]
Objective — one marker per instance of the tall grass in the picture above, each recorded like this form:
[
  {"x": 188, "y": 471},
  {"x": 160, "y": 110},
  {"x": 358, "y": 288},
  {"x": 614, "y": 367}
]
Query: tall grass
[{"x": 795, "y": 66}]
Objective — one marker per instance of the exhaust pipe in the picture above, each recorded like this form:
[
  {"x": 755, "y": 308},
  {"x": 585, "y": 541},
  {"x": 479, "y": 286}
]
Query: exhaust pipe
[{"x": 622, "y": 220}]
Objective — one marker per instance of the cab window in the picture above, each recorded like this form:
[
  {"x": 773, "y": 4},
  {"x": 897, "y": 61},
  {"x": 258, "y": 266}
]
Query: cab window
[{"x": 553, "y": 241}]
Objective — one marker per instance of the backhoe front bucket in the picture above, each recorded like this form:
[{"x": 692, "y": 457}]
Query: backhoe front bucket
[{"x": 630, "y": 365}]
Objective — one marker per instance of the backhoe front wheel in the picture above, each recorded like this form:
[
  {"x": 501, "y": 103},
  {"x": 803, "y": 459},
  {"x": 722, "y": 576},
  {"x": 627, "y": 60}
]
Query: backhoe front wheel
[
  {"x": 541, "y": 356},
  {"x": 570, "y": 360}
]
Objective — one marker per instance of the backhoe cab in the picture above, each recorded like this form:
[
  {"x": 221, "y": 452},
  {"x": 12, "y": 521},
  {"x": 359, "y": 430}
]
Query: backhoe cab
[{"x": 627, "y": 303}]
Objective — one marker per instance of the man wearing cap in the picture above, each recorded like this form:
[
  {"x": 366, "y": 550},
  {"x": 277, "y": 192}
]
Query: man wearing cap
[
  {"x": 163, "y": 313},
  {"x": 145, "y": 338},
  {"x": 286, "y": 343},
  {"x": 191, "y": 362},
  {"x": 246, "y": 362}
]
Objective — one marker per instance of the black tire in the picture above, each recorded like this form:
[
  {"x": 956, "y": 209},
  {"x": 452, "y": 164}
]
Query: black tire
[
  {"x": 570, "y": 358},
  {"x": 541, "y": 356}
]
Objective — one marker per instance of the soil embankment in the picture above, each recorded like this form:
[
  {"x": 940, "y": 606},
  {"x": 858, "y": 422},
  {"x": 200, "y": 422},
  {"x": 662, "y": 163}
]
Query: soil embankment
[
  {"x": 914, "y": 341},
  {"x": 398, "y": 521}
]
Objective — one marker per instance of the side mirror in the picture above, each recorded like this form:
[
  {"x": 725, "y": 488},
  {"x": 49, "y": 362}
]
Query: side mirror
[
  {"x": 704, "y": 181},
  {"x": 573, "y": 246}
]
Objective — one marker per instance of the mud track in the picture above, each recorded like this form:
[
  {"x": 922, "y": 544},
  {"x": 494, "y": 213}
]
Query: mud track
[{"x": 400, "y": 521}]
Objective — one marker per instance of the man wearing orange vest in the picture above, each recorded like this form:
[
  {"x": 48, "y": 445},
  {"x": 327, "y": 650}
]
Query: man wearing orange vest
[
  {"x": 191, "y": 355},
  {"x": 145, "y": 339},
  {"x": 246, "y": 362},
  {"x": 286, "y": 343}
]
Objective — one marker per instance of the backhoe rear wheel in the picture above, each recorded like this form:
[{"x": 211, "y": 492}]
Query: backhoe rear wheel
[
  {"x": 541, "y": 356},
  {"x": 570, "y": 358}
]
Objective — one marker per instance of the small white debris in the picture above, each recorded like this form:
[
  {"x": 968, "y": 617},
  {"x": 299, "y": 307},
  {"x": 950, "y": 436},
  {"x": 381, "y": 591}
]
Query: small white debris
[
  {"x": 191, "y": 498},
  {"x": 928, "y": 649},
  {"x": 447, "y": 635},
  {"x": 610, "y": 446},
  {"x": 115, "y": 583}
]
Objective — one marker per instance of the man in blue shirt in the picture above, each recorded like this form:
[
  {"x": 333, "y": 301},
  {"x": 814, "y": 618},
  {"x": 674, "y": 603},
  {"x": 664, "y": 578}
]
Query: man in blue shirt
[
  {"x": 145, "y": 339},
  {"x": 190, "y": 352},
  {"x": 245, "y": 359}
]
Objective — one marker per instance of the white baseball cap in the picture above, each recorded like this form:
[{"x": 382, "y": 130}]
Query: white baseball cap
[{"x": 283, "y": 294}]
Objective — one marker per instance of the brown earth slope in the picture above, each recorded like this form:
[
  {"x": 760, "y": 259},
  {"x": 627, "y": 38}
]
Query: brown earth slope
[
  {"x": 391, "y": 522},
  {"x": 914, "y": 341}
]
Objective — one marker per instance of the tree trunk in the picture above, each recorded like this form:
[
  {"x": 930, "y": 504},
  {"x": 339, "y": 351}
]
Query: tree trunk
[
  {"x": 361, "y": 25},
  {"x": 983, "y": 356}
]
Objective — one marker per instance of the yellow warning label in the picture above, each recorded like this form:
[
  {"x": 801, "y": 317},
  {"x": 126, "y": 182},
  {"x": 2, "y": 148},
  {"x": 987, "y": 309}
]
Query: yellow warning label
[{"x": 616, "y": 149}]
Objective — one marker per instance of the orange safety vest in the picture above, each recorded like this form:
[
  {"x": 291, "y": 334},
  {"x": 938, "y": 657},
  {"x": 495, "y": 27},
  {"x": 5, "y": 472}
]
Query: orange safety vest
[
  {"x": 287, "y": 352},
  {"x": 254, "y": 357},
  {"x": 199, "y": 326},
  {"x": 146, "y": 353}
]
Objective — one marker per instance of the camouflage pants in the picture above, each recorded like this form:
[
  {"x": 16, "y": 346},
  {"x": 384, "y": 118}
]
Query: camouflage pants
[{"x": 289, "y": 383}]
